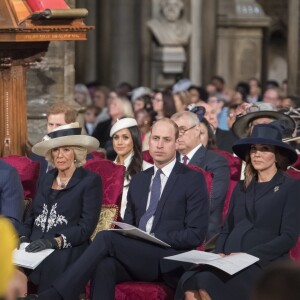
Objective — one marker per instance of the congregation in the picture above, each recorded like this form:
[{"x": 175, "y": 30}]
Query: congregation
[{"x": 209, "y": 168}]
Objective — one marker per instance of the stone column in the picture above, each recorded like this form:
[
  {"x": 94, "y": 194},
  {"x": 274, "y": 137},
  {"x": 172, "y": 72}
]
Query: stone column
[
  {"x": 196, "y": 42},
  {"x": 293, "y": 47},
  {"x": 125, "y": 41},
  {"x": 239, "y": 40},
  {"x": 209, "y": 43},
  {"x": 86, "y": 51}
]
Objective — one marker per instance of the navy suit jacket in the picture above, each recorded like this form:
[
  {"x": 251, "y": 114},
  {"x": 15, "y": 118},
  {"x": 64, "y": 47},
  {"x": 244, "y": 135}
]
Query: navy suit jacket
[
  {"x": 12, "y": 196},
  {"x": 218, "y": 166},
  {"x": 265, "y": 224},
  {"x": 182, "y": 214}
]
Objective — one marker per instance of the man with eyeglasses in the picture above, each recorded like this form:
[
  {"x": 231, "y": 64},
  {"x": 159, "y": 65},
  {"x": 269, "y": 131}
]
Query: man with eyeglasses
[{"x": 191, "y": 151}]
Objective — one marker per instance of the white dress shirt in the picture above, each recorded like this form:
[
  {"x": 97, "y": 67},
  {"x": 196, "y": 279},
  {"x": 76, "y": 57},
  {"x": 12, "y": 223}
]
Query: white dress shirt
[
  {"x": 190, "y": 154},
  {"x": 164, "y": 176}
]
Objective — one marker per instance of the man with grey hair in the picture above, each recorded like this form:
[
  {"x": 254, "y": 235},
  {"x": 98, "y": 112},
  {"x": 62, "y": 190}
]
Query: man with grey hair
[{"x": 192, "y": 152}]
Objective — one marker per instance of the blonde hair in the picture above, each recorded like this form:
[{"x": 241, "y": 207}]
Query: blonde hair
[
  {"x": 79, "y": 156},
  {"x": 127, "y": 107}
]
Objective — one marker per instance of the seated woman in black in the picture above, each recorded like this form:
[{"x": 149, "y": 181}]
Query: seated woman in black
[
  {"x": 66, "y": 208},
  {"x": 263, "y": 219}
]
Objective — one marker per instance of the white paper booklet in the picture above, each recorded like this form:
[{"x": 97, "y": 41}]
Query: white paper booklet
[
  {"x": 230, "y": 264},
  {"x": 27, "y": 259},
  {"x": 135, "y": 232}
]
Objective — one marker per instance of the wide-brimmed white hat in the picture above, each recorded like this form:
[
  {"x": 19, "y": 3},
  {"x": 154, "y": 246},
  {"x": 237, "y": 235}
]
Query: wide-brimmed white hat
[
  {"x": 65, "y": 135},
  {"x": 122, "y": 124}
]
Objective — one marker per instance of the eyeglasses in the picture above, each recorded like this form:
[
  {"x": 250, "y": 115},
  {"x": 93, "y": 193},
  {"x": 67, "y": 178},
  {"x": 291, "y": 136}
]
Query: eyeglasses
[{"x": 183, "y": 131}]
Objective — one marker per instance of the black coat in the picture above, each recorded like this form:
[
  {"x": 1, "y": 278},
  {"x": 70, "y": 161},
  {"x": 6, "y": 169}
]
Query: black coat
[
  {"x": 73, "y": 213},
  {"x": 262, "y": 221}
]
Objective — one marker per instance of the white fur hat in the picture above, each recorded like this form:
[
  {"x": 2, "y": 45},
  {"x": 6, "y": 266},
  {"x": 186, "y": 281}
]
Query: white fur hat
[
  {"x": 122, "y": 124},
  {"x": 65, "y": 135}
]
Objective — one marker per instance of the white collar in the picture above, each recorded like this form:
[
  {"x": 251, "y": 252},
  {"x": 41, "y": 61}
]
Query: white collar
[
  {"x": 127, "y": 160},
  {"x": 166, "y": 169},
  {"x": 191, "y": 153}
]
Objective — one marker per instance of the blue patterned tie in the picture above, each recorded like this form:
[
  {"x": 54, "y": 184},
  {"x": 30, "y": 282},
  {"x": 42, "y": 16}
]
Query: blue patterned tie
[{"x": 154, "y": 198}]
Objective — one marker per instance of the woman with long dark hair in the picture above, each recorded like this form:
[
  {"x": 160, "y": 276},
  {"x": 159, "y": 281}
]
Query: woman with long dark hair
[
  {"x": 127, "y": 143},
  {"x": 163, "y": 105},
  {"x": 263, "y": 219}
]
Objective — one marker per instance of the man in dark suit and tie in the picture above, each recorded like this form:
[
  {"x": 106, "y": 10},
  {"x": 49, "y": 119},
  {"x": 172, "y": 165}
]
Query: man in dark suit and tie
[
  {"x": 11, "y": 194},
  {"x": 169, "y": 201},
  {"x": 193, "y": 152}
]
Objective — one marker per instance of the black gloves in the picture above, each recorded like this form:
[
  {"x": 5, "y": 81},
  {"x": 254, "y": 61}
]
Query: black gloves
[
  {"x": 41, "y": 244},
  {"x": 23, "y": 239}
]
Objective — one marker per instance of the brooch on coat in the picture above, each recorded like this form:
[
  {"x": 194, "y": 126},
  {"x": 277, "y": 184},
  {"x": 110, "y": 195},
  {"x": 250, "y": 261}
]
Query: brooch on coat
[{"x": 276, "y": 188}]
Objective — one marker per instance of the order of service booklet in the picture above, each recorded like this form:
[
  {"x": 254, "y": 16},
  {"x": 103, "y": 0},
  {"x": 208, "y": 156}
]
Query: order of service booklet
[
  {"x": 230, "y": 264},
  {"x": 29, "y": 260},
  {"x": 135, "y": 232}
]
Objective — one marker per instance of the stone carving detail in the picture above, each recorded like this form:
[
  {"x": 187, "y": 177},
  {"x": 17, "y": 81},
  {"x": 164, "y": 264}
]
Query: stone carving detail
[{"x": 170, "y": 29}]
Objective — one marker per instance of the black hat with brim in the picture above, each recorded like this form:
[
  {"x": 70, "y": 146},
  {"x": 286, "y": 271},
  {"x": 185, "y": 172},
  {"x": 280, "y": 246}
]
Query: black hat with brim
[
  {"x": 241, "y": 125},
  {"x": 264, "y": 134}
]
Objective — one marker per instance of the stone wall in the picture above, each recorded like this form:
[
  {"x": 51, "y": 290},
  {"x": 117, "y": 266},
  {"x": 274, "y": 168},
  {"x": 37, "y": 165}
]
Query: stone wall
[{"x": 50, "y": 81}]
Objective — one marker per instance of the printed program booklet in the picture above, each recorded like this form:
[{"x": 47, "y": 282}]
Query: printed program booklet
[
  {"x": 28, "y": 259},
  {"x": 135, "y": 232},
  {"x": 230, "y": 264}
]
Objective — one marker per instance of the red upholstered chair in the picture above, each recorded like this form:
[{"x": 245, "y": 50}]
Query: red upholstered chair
[
  {"x": 296, "y": 165},
  {"x": 112, "y": 179},
  {"x": 153, "y": 290},
  {"x": 99, "y": 154},
  {"x": 294, "y": 171},
  {"x": 235, "y": 166},
  {"x": 147, "y": 157},
  {"x": 295, "y": 252},
  {"x": 112, "y": 176},
  {"x": 28, "y": 171}
]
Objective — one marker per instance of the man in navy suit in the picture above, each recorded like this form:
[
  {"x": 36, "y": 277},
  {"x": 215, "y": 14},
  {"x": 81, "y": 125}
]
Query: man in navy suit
[
  {"x": 11, "y": 194},
  {"x": 58, "y": 114},
  {"x": 179, "y": 218},
  {"x": 193, "y": 152}
]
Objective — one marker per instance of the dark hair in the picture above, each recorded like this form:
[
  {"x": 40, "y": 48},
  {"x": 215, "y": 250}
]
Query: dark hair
[
  {"x": 211, "y": 142},
  {"x": 282, "y": 162},
  {"x": 243, "y": 87},
  {"x": 272, "y": 84},
  {"x": 136, "y": 164},
  {"x": 256, "y": 80},
  {"x": 169, "y": 108},
  {"x": 218, "y": 78},
  {"x": 147, "y": 99},
  {"x": 123, "y": 89},
  {"x": 203, "y": 95}
]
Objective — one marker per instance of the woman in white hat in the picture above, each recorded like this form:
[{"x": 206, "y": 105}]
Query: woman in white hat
[
  {"x": 127, "y": 144},
  {"x": 263, "y": 219},
  {"x": 66, "y": 208}
]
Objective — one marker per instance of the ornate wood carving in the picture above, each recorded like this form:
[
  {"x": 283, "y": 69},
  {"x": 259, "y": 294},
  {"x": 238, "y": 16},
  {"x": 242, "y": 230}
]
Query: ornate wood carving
[
  {"x": 23, "y": 43},
  {"x": 14, "y": 60}
]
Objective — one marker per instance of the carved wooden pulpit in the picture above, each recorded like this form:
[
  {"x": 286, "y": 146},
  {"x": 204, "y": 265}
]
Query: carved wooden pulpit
[{"x": 24, "y": 38}]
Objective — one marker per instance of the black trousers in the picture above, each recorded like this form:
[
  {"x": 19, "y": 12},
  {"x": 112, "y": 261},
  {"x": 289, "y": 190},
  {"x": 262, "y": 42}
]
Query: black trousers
[{"x": 110, "y": 259}]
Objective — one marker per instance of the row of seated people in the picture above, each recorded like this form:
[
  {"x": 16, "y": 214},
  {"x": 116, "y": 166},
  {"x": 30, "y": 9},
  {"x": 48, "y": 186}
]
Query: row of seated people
[{"x": 112, "y": 190}]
